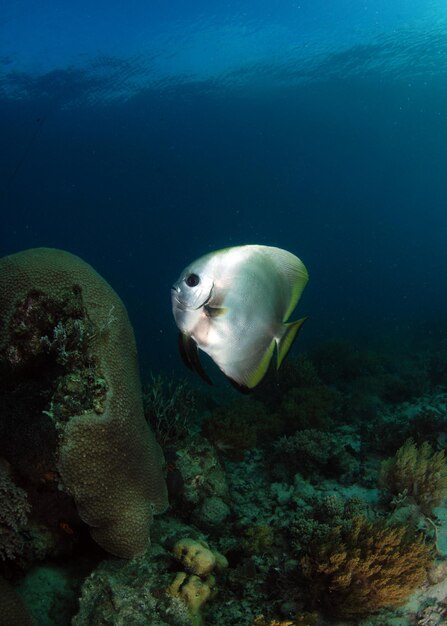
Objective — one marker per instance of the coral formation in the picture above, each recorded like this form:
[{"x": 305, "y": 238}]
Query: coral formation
[
  {"x": 194, "y": 592},
  {"x": 197, "y": 557},
  {"x": 306, "y": 535},
  {"x": 67, "y": 347},
  {"x": 416, "y": 473},
  {"x": 364, "y": 566},
  {"x": 203, "y": 492},
  {"x": 14, "y": 510},
  {"x": 314, "y": 452}
]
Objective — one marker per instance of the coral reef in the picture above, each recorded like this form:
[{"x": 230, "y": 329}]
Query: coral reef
[
  {"x": 197, "y": 557},
  {"x": 194, "y": 592},
  {"x": 416, "y": 473},
  {"x": 364, "y": 566},
  {"x": 72, "y": 416},
  {"x": 14, "y": 510},
  {"x": 313, "y": 453},
  {"x": 270, "y": 524},
  {"x": 202, "y": 492}
]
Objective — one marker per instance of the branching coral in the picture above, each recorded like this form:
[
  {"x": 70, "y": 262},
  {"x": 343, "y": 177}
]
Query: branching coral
[
  {"x": 362, "y": 567},
  {"x": 312, "y": 451},
  {"x": 418, "y": 473}
]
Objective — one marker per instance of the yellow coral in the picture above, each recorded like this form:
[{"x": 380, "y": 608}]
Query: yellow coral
[
  {"x": 197, "y": 557},
  {"x": 418, "y": 473},
  {"x": 262, "y": 621},
  {"x": 194, "y": 592}
]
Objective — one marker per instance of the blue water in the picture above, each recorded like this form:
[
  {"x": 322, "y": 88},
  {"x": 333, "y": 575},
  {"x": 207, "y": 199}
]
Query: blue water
[{"x": 140, "y": 138}]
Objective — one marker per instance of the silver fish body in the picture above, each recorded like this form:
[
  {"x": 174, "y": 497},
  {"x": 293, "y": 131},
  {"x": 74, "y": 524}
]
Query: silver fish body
[{"x": 234, "y": 305}]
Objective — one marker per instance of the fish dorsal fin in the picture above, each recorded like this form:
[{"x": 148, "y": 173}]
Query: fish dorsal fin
[
  {"x": 190, "y": 356},
  {"x": 295, "y": 273},
  {"x": 288, "y": 337}
]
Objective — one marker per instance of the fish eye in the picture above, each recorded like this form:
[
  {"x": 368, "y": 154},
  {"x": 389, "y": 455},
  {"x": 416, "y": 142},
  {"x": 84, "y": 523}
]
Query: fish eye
[{"x": 192, "y": 280}]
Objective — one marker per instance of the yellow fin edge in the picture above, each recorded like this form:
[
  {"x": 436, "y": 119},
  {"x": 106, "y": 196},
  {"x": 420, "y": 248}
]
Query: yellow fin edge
[
  {"x": 285, "y": 343},
  {"x": 259, "y": 373}
]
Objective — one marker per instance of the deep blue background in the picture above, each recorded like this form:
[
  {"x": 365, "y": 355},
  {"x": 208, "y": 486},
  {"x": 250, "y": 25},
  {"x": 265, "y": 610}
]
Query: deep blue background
[{"x": 323, "y": 133}]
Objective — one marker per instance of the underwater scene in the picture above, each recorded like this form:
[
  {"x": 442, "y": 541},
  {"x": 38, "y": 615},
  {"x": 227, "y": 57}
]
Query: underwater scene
[{"x": 223, "y": 305}]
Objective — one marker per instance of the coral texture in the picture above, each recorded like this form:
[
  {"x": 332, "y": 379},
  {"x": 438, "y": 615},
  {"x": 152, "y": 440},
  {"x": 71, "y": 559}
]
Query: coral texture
[
  {"x": 417, "y": 473},
  {"x": 14, "y": 509},
  {"x": 105, "y": 455},
  {"x": 197, "y": 557},
  {"x": 194, "y": 592},
  {"x": 364, "y": 567},
  {"x": 13, "y": 611}
]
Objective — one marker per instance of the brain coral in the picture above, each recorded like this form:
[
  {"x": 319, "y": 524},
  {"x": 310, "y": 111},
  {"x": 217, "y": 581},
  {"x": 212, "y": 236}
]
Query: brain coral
[{"x": 57, "y": 313}]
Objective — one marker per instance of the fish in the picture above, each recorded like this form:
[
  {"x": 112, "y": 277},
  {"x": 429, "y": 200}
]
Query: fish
[{"x": 234, "y": 304}]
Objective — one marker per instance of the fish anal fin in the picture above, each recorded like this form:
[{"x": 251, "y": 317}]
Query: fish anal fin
[
  {"x": 190, "y": 356},
  {"x": 240, "y": 387},
  {"x": 258, "y": 373},
  {"x": 289, "y": 335}
]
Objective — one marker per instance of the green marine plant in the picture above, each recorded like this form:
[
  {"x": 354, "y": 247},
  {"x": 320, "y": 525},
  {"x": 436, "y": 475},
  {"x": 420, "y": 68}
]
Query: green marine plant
[
  {"x": 170, "y": 406},
  {"x": 232, "y": 428},
  {"x": 259, "y": 539},
  {"x": 417, "y": 474},
  {"x": 364, "y": 566}
]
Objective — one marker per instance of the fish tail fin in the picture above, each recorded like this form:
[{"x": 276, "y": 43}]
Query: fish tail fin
[{"x": 285, "y": 342}]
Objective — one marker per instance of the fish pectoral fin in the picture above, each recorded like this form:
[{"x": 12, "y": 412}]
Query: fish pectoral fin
[
  {"x": 291, "y": 330},
  {"x": 190, "y": 356},
  {"x": 215, "y": 311}
]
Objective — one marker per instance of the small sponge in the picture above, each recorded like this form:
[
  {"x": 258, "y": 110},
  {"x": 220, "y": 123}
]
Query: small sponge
[{"x": 107, "y": 458}]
